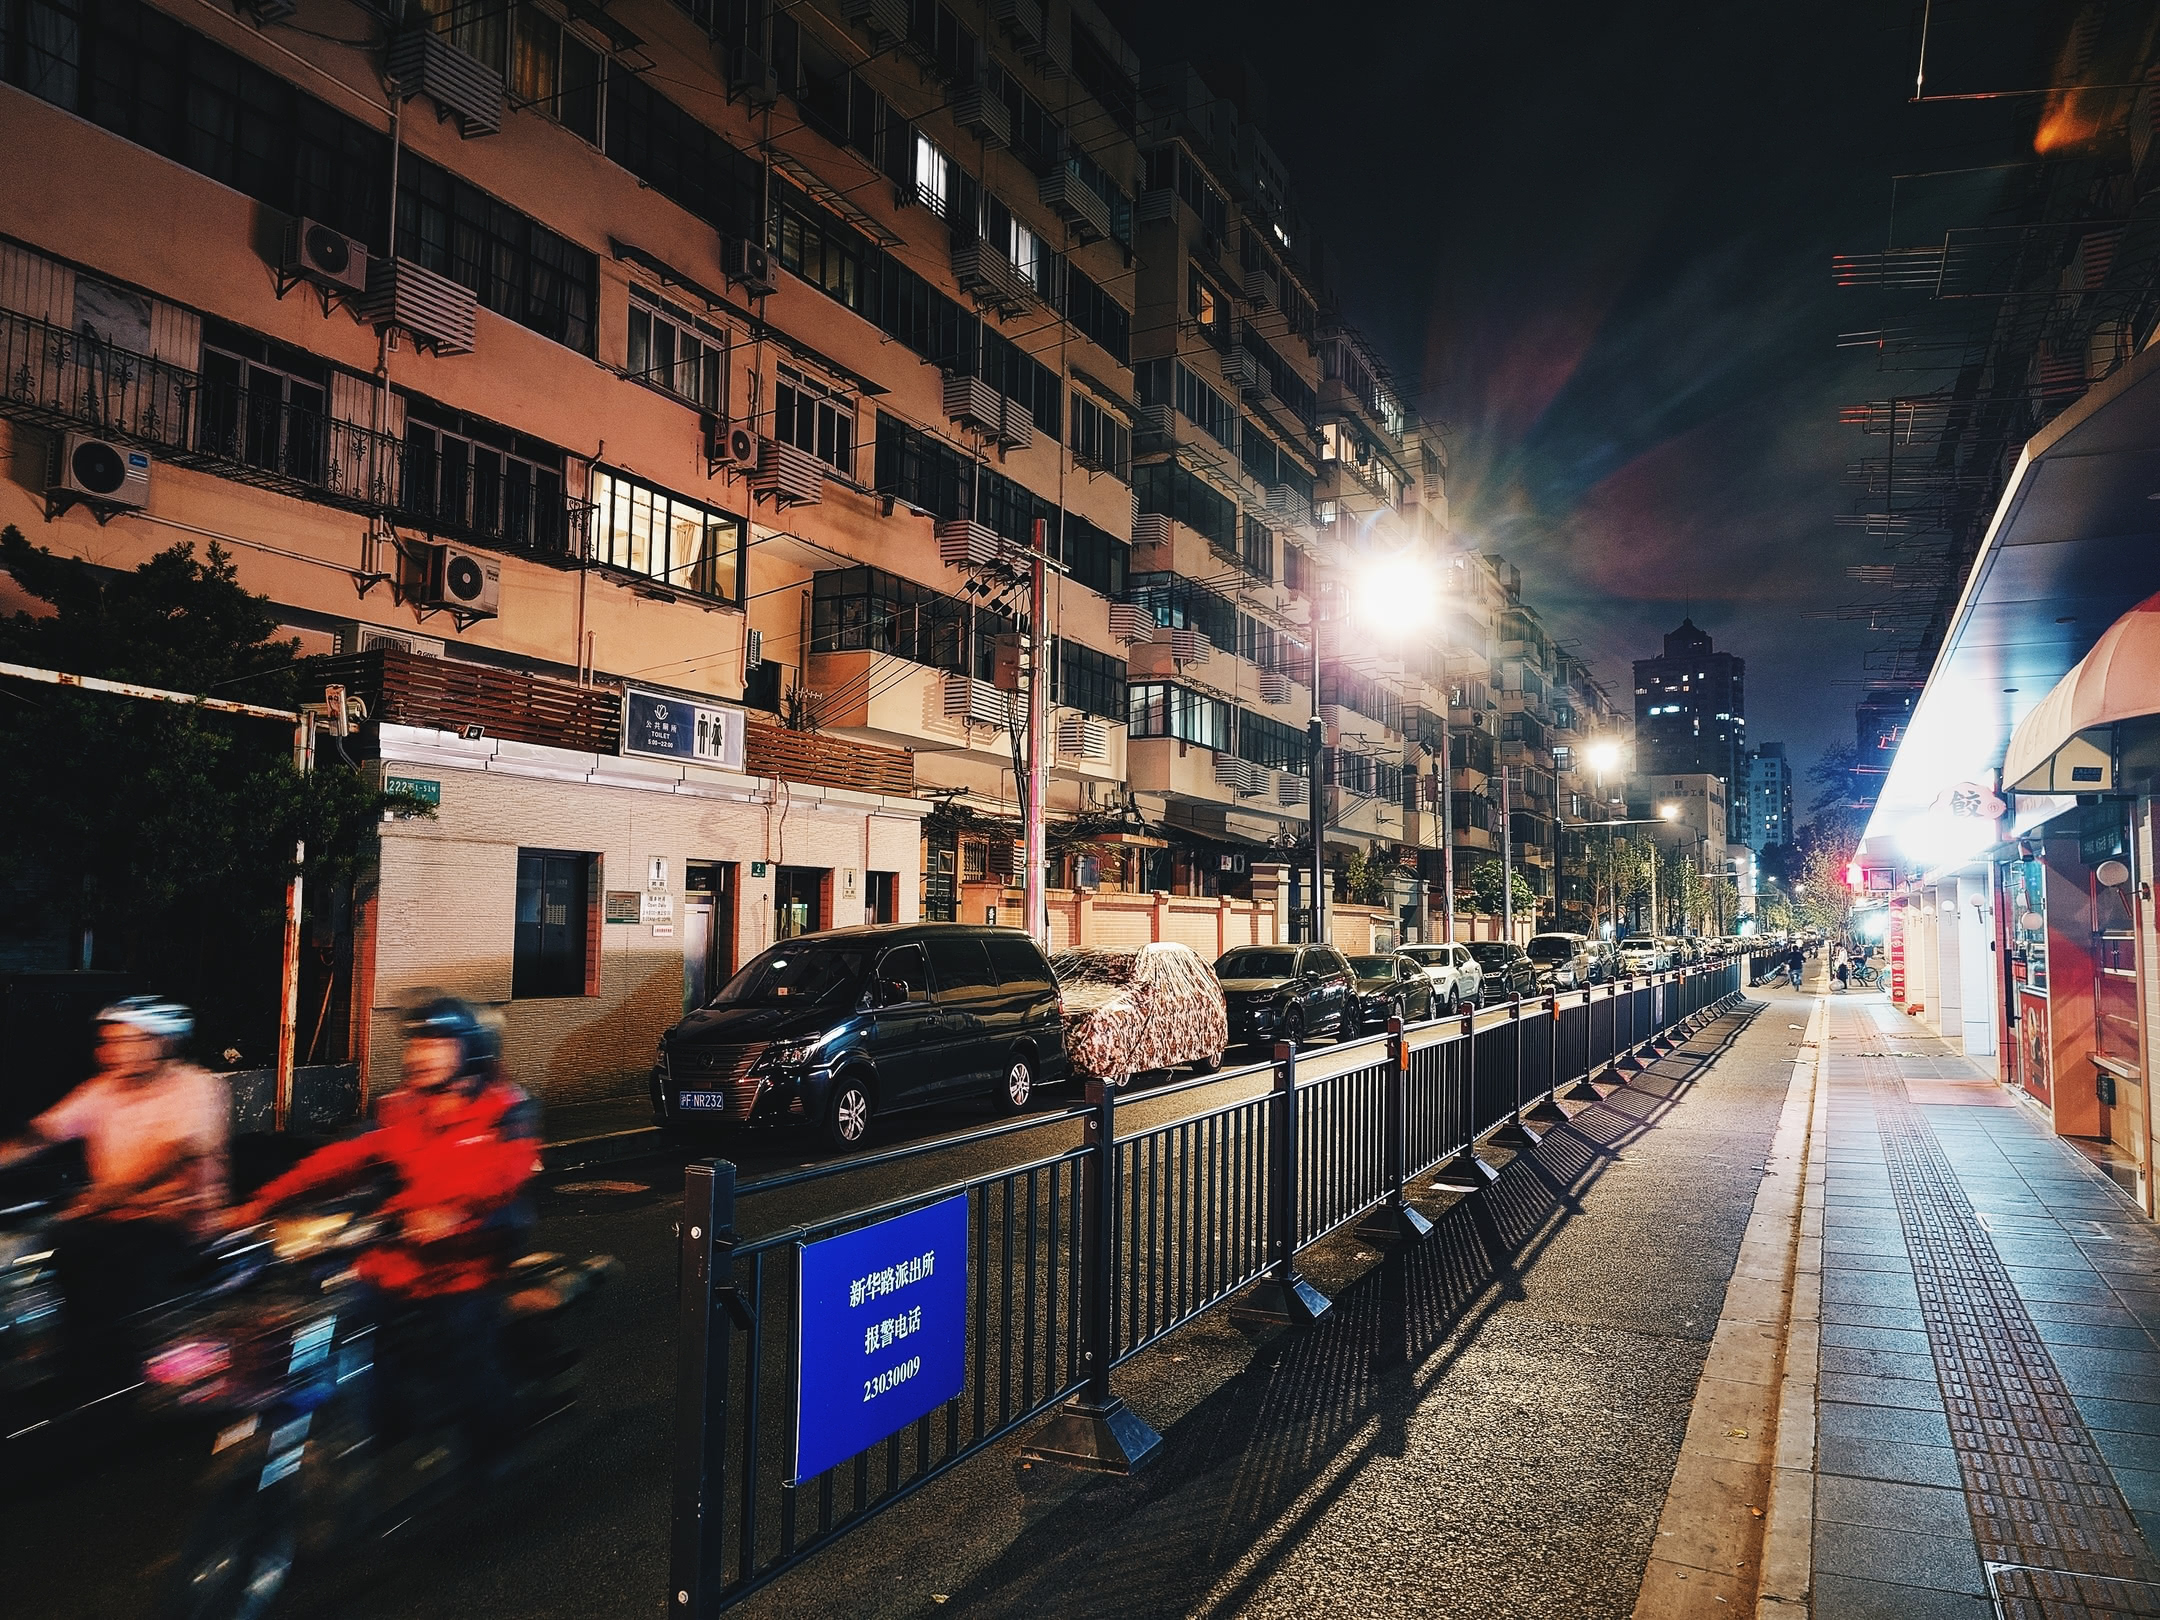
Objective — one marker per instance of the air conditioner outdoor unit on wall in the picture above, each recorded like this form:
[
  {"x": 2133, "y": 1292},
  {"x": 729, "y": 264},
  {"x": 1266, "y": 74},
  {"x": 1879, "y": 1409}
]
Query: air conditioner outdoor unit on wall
[
  {"x": 749, "y": 265},
  {"x": 466, "y": 583},
  {"x": 355, "y": 637},
  {"x": 328, "y": 258},
  {"x": 103, "y": 474},
  {"x": 729, "y": 447}
]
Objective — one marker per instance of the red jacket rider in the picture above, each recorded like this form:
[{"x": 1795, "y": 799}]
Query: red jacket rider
[{"x": 459, "y": 1141}]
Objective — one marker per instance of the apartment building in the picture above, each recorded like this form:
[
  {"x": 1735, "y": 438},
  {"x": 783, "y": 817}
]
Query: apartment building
[
  {"x": 1768, "y": 812},
  {"x": 604, "y": 388}
]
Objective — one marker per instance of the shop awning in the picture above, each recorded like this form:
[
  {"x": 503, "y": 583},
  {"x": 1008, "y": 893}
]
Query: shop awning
[
  {"x": 2051, "y": 751},
  {"x": 2070, "y": 550}
]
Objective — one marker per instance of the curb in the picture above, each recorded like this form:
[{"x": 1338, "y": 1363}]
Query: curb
[{"x": 579, "y": 1151}]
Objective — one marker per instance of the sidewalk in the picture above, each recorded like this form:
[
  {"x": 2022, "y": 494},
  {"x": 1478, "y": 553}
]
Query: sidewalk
[{"x": 1986, "y": 1403}]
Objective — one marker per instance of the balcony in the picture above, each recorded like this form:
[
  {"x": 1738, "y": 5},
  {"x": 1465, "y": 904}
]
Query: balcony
[
  {"x": 57, "y": 380},
  {"x": 992, "y": 279}
]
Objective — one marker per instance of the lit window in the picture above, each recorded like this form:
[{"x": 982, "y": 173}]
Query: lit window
[
  {"x": 933, "y": 177},
  {"x": 644, "y": 530}
]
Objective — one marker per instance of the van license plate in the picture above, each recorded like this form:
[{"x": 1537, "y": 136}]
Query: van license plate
[{"x": 714, "y": 1101}]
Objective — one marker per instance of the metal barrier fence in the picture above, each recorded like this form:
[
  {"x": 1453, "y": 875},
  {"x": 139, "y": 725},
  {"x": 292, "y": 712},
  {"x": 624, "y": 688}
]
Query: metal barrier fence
[{"x": 1078, "y": 1259}]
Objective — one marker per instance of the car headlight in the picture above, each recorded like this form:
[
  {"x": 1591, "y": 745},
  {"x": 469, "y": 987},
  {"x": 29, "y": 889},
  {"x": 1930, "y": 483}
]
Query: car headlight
[{"x": 790, "y": 1054}]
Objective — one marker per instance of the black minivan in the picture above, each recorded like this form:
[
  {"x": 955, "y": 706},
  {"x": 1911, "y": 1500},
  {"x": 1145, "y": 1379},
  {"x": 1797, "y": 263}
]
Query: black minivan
[{"x": 833, "y": 1028}]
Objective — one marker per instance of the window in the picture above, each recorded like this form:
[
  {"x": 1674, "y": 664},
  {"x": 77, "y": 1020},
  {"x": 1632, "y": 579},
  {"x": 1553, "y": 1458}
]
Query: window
[
  {"x": 1099, "y": 439},
  {"x": 1096, "y": 559},
  {"x": 1179, "y": 603},
  {"x": 1170, "y": 168},
  {"x": 961, "y": 967},
  {"x": 1271, "y": 743},
  {"x": 923, "y": 471},
  {"x": 810, "y": 246},
  {"x": 137, "y": 72},
  {"x": 1259, "y": 554},
  {"x": 1159, "y": 709},
  {"x": 1097, "y": 315},
  {"x": 1341, "y": 685},
  {"x": 1018, "y": 962},
  {"x": 664, "y": 537},
  {"x": 813, "y": 417},
  {"x": 867, "y": 609},
  {"x": 683, "y": 160},
  {"x": 260, "y": 402},
  {"x": 1087, "y": 680},
  {"x": 672, "y": 349},
  {"x": 515, "y": 266},
  {"x": 1207, "y": 306},
  {"x": 933, "y": 176},
  {"x": 1293, "y": 567},
  {"x": 552, "y": 924},
  {"x": 1173, "y": 491},
  {"x": 1194, "y": 399},
  {"x": 904, "y": 965},
  {"x": 469, "y": 477},
  {"x": 555, "y": 72}
]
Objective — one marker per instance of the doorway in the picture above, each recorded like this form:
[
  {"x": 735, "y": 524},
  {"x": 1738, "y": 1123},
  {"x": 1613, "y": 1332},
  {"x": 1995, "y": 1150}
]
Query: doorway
[
  {"x": 798, "y": 901},
  {"x": 881, "y": 897},
  {"x": 708, "y": 930}
]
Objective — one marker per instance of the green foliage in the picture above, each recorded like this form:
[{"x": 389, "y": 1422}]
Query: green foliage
[
  {"x": 1365, "y": 882},
  {"x": 1485, "y": 895},
  {"x": 164, "y": 829}
]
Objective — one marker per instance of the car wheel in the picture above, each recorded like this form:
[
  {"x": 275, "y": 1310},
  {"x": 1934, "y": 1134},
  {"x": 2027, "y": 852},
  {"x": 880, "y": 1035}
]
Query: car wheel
[
  {"x": 1019, "y": 1084},
  {"x": 1293, "y": 1026},
  {"x": 847, "y": 1121},
  {"x": 1207, "y": 1064}
]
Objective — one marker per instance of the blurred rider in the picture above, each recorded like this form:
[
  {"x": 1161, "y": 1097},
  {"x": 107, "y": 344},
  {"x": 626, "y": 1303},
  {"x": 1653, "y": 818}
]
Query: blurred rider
[
  {"x": 156, "y": 1134},
  {"x": 457, "y": 1143}
]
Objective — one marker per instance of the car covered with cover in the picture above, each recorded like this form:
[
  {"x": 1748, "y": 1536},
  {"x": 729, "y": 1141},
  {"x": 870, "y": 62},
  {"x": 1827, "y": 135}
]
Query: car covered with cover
[{"x": 1134, "y": 1009}]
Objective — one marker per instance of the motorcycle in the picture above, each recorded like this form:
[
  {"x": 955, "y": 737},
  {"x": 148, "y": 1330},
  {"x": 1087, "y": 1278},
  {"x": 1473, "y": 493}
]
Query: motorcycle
[{"x": 280, "y": 1347}]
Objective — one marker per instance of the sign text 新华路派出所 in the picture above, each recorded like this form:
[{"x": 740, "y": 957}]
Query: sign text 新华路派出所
[{"x": 882, "y": 1331}]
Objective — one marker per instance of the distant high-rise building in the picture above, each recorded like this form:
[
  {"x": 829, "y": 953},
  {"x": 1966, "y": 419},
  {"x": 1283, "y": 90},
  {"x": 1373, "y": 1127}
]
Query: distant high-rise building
[
  {"x": 1691, "y": 715},
  {"x": 1767, "y": 811}
]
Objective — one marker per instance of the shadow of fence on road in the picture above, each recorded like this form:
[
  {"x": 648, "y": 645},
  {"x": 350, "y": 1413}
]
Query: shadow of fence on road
[{"x": 1248, "y": 1469}]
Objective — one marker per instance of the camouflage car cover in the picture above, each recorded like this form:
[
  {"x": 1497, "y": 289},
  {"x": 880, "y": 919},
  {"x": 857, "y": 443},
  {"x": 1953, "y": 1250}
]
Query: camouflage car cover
[{"x": 1130, "y": 1010}]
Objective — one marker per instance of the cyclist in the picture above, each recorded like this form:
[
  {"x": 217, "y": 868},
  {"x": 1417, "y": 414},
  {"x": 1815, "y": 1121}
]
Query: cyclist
[
  {"x": 156, "y": 1134},
  {"x": 460, "y": 1143}
]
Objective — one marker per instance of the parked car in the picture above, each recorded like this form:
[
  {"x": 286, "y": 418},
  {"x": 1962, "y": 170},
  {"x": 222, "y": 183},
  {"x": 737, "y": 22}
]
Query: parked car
[
  {"x": 1508, "y": 973},
  {"x": 1139, "y": 1008},
  {"x": 1641, "y": 956},
  {"x": 1391, "y": 984},
  {"x": 836, "y": 1029},
  {"x": 1563, "y": 961},
  {"x": 1286, "y": 992},
  {"x": 1456, "y": 976}
]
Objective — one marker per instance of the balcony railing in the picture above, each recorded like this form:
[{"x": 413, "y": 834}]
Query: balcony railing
[{"x": 64, "y": 381}]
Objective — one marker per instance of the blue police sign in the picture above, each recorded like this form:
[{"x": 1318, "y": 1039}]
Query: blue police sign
[{"x": 882, "y": 1331}]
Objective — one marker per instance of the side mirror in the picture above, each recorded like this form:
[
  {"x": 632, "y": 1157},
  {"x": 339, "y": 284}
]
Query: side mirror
[{"x": 890, "y": 993}]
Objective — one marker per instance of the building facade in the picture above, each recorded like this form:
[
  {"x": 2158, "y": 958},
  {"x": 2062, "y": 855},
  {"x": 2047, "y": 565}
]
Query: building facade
[
  {"x": 1768, "y": 809},
  {"x": 1691, "y": 713}
]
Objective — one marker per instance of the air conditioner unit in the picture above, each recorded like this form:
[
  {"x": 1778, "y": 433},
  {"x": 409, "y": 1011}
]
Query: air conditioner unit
[
  {"x": 749, "y": 265},
  {"x": 1158, "y": 204},
  {"x": 1159, "y": 423},
  {"x": 1131, "y": 623},
  {"x": 969, "y": 699},
  {"x": 105, "y": 474},
  {"x": 1241, "y": 368},
  {"x": 752, "y": 76},
  {"x": 1260, "y": 285},
  {"x": 436, "y": 312},
  {"x": 1291, "y": 789},
  {"x": 1274, "y": 686},
  {"x": 787, "y": 475},
  {"x": 467, "y": 583},
  {"x": 753, "y": 648},
  {"x": 981, "y": 111},
  {"x": 314, "y": 252},
  {"x": 1081, "y": 736},
  {"x": 974, "y": 402},
  {"x": 1076, "y": 202},
  {"x": 425, "y": 63},
  {"x": 1151, "y": 529},
  {"x": 1023, "y": 20},
  {"x": 964, "y": 543},
  {"x": 729, "y": 447},
  {"x": 355, "y": 637},
  {"x": 885, "y": 21},
  {"x": 1189, "y": 646}
]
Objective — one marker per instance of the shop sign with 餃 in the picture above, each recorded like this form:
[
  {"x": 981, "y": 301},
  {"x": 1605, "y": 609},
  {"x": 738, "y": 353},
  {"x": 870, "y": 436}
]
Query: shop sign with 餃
[{"x": 657, "y": 725}]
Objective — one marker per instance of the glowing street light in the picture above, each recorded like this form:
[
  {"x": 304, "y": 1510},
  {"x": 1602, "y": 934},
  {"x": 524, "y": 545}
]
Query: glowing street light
[
  {"x": 1604, "y": 757},
  {"x": 1399, "y": 594}
]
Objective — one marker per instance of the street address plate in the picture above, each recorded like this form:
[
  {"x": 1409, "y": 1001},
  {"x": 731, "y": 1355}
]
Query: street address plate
[{"x": 881, "y": 1333}]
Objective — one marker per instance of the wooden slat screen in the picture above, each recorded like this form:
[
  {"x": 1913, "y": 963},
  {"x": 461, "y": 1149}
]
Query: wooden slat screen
[{"x": 804, "y": 756}]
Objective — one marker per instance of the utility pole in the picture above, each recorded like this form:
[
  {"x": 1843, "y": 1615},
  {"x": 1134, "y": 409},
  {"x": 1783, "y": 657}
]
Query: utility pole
[
  {"x": 1507, "y": 859},
  {"x": 1316, "y": 798},
  {"x": 1447, "y": 826},
  {"x": 1035, "y": 850}
]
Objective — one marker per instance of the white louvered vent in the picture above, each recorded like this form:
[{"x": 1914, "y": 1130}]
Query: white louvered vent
[
  {"x": 969, "y": 699},
  {"x": 435, "y": 311},
  {"x": 1131, "y": 623},
  {"x": 425, "y": 63},
  {"x": 964, "y": 543},
  {"x": 1274, "y": 686},
  {"x": 787, "y": 475},
  {"x": 1082, "y": 736}
]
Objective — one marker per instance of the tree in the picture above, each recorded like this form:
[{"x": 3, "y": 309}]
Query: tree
[
  {"x": 154, "y": 830},
  {"x": 1485, "y": 893},
  {"x": 1821, "y": 895},
  {"x": 1365, "y": 881},
  {"x": 1846, "y": 789}
]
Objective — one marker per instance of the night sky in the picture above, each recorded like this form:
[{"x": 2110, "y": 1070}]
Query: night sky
[{"x": 1594, "y": 242}]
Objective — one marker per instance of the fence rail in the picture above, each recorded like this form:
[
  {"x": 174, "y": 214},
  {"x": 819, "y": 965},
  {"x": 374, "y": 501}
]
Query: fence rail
[{"x": 1078, "y": 1260}]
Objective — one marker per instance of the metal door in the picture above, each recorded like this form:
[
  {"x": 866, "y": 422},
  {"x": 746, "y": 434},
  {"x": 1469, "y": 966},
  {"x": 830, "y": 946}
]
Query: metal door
[{"x": 697, "y": 951}]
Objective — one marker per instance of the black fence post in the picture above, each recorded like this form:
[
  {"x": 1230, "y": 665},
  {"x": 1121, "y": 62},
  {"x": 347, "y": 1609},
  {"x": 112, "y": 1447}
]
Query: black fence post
[
  {"x": 1282, "y": 1296},
  {"x": 1393, "y": 1217},
  {"x": 1095, "y": 1430},
  {"x": 1518, "y": 1132},
  {"x": 697, "y": 1561},
  {"x": 1583, "y": 1087},
  {"x": 1465, "y": 1172}
]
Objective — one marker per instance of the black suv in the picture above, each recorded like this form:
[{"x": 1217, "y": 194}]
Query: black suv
[
  {"x": 1287, "y": 993},
  {"x": 1510, "y": 975},
  {"x": 832, "y": 1028}
]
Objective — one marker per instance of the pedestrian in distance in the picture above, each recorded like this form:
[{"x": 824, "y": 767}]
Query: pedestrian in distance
[{"x": 1841, "y": 968}]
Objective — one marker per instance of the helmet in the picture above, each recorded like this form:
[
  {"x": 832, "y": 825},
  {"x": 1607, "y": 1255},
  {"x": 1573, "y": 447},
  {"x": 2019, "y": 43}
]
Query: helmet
[
  {"x": 167, "y": 1020},
  {"x": 449, "y": 1018}
]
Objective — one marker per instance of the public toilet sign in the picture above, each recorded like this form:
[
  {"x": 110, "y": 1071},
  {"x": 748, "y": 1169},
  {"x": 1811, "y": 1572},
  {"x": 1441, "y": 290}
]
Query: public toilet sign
[
  {"x": 664, "y": 727},
  {"x": 881, "y": 1332}
]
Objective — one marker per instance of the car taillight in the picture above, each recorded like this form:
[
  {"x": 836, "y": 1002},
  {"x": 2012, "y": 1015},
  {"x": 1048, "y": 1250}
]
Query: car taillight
[{"x": 192, "y": 1361}]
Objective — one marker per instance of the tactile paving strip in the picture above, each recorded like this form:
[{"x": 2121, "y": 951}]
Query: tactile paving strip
[{"x": 2056, "y": 1536}]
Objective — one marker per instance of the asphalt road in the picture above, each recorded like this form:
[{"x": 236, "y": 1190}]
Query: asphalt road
[{"x": 1570, "y": 1417}]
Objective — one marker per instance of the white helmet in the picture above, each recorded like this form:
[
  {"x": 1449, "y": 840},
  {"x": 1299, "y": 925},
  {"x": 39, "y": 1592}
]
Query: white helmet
[{"x": 166, "y": 1019}]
